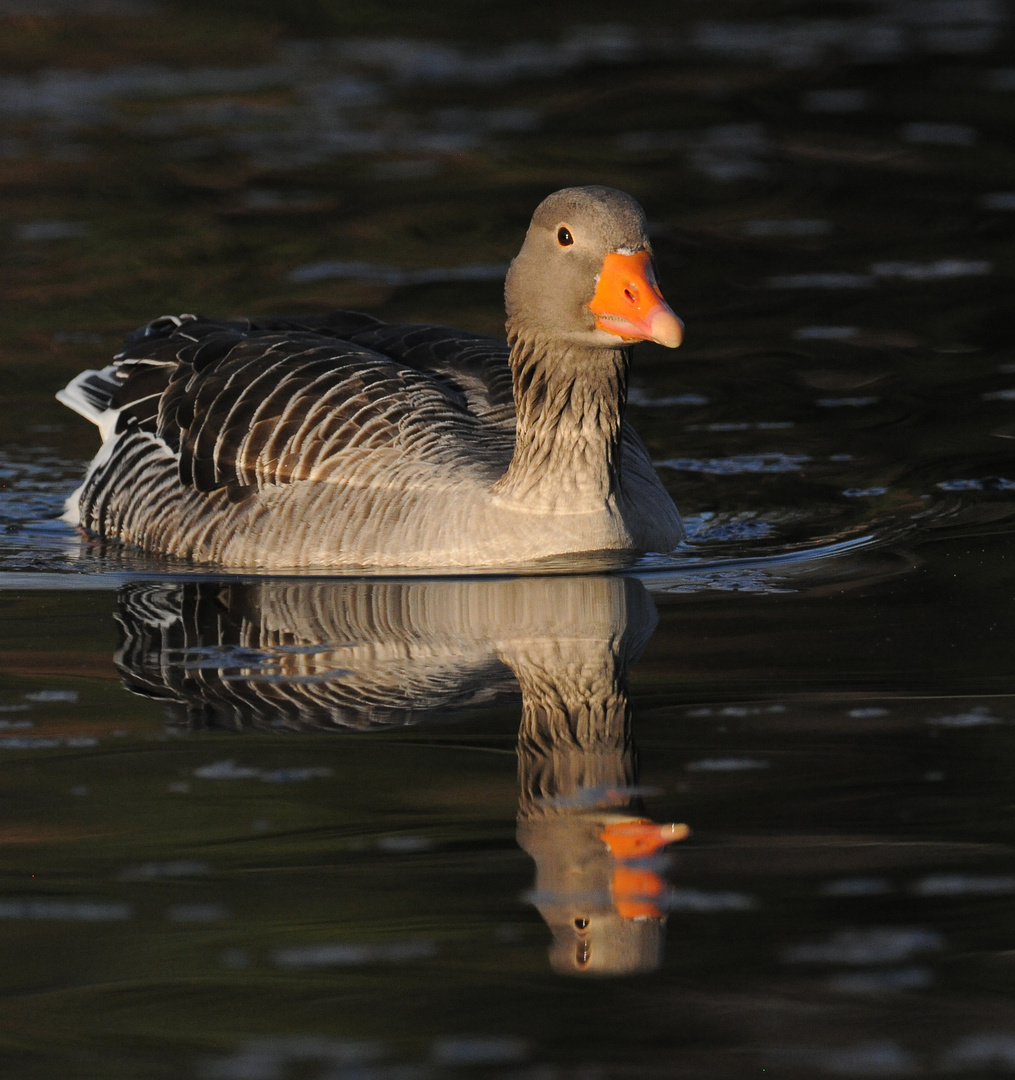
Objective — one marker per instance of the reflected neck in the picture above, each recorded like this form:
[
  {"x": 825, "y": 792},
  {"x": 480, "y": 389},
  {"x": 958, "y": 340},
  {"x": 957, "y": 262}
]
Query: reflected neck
[{"x": 575, "y": 731}]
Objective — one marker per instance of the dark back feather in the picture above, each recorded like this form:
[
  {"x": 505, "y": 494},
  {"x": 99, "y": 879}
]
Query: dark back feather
[{"x": 251, "y": 402}]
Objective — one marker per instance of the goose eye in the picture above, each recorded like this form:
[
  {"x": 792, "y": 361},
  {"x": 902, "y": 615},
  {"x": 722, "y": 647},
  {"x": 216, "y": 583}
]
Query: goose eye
[{"x": 564, "y": 237}]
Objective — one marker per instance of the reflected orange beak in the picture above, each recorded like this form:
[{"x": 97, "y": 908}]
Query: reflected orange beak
[
  {"x": 628, "y": 302},
  {"x": 635, "y": 889},
  {"x": 634, "y": 893},
  {"x": 637, "y": 839}
]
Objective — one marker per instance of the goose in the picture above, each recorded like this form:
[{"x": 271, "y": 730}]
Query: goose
[{"x": 346, "y": 443}]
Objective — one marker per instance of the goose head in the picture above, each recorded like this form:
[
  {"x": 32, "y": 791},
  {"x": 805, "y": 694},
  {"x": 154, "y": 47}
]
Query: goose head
[{"x": 584, "y": 274}]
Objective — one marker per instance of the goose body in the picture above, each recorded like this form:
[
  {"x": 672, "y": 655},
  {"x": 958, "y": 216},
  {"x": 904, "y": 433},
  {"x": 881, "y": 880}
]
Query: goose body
[{"x": 344, "y": 442}]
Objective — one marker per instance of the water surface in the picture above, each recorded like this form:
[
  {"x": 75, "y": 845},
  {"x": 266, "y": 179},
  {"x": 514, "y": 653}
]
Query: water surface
[{"x": 349, "y": 827}]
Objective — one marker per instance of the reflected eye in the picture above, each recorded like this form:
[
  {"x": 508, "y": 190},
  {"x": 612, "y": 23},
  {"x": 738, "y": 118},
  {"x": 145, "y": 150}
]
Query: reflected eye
[{"x": 564, "y": 237}]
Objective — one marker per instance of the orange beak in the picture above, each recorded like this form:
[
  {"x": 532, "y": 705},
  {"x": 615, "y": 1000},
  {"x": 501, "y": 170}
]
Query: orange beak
[{"x": 628, "y": 302}]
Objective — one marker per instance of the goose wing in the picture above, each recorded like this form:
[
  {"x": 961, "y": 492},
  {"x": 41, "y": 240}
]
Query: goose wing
[
  {"x": 245, "y": 404},
  {"x": 470, "y": 365},
  {"x": 475, "y": 366}
]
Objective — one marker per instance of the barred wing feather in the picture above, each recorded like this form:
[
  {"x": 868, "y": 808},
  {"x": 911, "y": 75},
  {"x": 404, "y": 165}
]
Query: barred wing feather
[{"x": 246, "y": 405}]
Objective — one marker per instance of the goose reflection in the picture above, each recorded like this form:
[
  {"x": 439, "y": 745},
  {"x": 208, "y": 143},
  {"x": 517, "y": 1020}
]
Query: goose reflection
[{"x": 364, "y": 655}]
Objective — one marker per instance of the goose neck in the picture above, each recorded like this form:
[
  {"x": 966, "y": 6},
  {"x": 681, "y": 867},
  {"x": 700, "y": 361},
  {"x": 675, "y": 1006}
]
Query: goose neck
[{"x": 569, "y": 401}]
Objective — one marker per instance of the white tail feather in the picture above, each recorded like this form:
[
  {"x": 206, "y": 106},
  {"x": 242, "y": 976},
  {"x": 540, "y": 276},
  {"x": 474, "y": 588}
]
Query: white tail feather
[{"x": 80, "y": 395}]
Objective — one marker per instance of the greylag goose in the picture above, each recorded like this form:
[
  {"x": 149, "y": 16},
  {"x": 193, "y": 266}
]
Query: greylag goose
[{"x": 347, "y": 443}]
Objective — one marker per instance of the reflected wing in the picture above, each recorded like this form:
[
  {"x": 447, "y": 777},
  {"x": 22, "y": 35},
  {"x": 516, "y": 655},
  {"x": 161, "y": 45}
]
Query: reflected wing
[{"x": 298, "y": 655}]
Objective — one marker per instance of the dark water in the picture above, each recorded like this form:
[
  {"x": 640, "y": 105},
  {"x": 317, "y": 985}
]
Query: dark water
[{"x": 333, "y": 828}]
